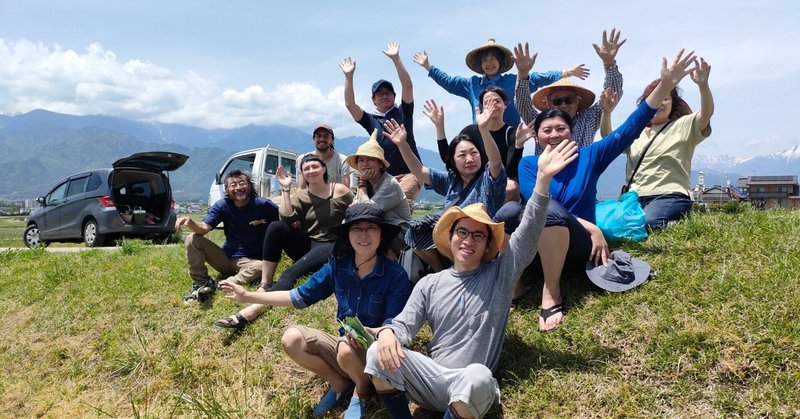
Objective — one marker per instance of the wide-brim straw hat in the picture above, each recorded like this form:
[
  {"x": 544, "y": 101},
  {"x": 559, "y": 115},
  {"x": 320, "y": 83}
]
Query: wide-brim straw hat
[
  {"x": 474, "y": 63},
  {"x": 477, "y": 212},
  {"x": 369, "y": 149},
  {"x": 586, "y": 96}
]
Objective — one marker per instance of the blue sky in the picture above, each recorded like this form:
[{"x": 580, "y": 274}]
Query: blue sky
[{"x": 229, "y": 64}]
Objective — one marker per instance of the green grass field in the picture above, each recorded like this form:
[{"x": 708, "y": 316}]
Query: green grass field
[{"x": 715, "y": 334}]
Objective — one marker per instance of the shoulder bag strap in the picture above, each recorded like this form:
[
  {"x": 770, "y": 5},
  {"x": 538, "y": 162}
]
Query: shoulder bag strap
[{"x": 639, "y": 163}]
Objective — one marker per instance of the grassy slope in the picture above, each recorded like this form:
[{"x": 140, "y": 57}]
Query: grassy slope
[{"x": 716, "y": 333}]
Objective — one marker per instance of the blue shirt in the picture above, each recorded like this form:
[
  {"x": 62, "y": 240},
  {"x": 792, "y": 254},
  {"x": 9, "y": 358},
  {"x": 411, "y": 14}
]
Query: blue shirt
[
  {"x": 470, "y": 88},
  {"x": 375, "y": 300},
  {"x": 491, "y": 192},
  {"x": 575, "y": 186},
  {"x": 403, "y": 115},
  {"x": 244, "y": 227}
]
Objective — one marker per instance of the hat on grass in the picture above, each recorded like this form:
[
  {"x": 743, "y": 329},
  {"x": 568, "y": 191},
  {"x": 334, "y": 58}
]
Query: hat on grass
[
  {"x": 369, "y": 149},
  {"x": 474, "y": 57},
  {"x": 477, "y": 212},
  {"x": 622, "y": 272},
  {"x": 586, "y": 96}
]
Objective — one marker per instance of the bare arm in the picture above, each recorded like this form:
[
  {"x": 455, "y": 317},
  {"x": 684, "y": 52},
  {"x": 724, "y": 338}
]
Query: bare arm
[
  {"x": 198, "y": 227},
  {"x": 421, "y": 58},
  {"x": 348, "y": 67},
  {"x": 397, "y": 133},
  {"x": 286, "y": 195},
  {"x": 599, "y": 253},
  {"x": 237, "y": 292},
  {"x": 670, "y": 77},
  {"x": 492, "y": 152},
  {"x": 700, "y": 77},
  {"x": 393, "y": 52}
]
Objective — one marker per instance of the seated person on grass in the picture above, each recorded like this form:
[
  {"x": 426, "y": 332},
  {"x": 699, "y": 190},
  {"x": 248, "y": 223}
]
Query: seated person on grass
[
  {"x": 466, "y": 308},
  {"x": 570, "y": 237},
  {"x": 366, "y": 284},
  {"x": 317, "y": 209},
  {"x": 246, "y": 218}
]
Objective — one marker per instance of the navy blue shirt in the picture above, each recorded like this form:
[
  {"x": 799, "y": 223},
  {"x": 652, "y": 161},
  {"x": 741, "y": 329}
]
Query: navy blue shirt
[
  {"x": 403, "y": 115},
  {"x": 375, "y": 300},
  {"x": 244, "y": 227}
]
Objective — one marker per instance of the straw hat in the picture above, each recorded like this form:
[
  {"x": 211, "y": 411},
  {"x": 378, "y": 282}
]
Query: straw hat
[
  {"x": 369, "y": 149},
  {"x": 586, "y": 96},
  {"x": 477, "y": 211},
  {"x": 474, "y": 63}
]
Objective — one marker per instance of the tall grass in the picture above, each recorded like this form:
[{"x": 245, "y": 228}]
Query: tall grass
[{"x": 715, "y": 333}]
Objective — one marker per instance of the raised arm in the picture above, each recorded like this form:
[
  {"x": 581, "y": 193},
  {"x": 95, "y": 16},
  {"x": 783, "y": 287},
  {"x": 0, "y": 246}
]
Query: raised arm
[
  {"x": 670, "y": 77},
  {"x": 607, "y": 51},
  {"x": 579, "y": 71},
  {"x": 397, "y": 133},
  {"x": 285, "y": 181},
  {"x": 700, "y": 77},
  {"x": 393, "y": 52},
  {"x": 608, "y": 101},
  {"x": 524, "y": 62},
  {"x": 436, "y": 114},
  {"x": 421, "y": 58},
  {"x": 348, "y": 67},
  {"x": 492, "y": 152}
]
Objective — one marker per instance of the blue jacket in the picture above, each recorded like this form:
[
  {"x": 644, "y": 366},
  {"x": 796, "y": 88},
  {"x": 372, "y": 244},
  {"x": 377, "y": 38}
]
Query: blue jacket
[
  {"x": 470, "y": 88},
  {"x": 375, "y": 300},
  {"x": 575, "y": 186}
]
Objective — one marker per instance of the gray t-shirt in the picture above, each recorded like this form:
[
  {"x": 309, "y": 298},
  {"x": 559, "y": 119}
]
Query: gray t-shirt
[{"x": 468, "y": 311}]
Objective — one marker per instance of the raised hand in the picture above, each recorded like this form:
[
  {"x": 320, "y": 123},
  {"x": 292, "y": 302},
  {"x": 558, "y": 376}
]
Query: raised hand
[
  {"x": 284, "y": 178},
  {"x": 483, "y": 117},
  {"x": 523, "y": 58},
  {"x": 553, "y": 159},
  {"x": 607, "y": 51},
  {"x": 395, "y": 132},
  {"x": 348, "y": 66},
  {"x": 608, "y": 100},
  {"x": 678, "y": 69},
  {"x": 524, "y": 133},
  {"x": 433, "y": 112},
  {"x": 392, "y": 50},
  {"x": 421, "y": 58},
  {"x": 579, "y": 71},
  {"x": 701, "y": 72}
]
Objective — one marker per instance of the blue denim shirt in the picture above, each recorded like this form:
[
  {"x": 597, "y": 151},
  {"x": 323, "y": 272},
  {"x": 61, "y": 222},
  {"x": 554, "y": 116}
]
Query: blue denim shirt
[
  {"x": 375, "y": 300},
  {"x": 491, "y": 192}
]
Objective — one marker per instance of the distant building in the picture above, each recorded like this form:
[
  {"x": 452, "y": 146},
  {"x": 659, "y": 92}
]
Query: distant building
[
  {"x": 716, "y": 195},
  {"x": 771, "y": 191}
]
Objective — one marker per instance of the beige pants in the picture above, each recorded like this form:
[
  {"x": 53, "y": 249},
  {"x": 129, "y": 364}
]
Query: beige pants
[
  {"x": 200, "y": 250},
  {"x": 410, "y": 186}
]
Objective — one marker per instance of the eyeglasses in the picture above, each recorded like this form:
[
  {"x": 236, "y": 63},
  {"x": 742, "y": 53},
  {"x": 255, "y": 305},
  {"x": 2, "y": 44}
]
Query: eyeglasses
[
  {"x": 366, "y": 230},
  {"x": 564, "y": 99},
  {"x": 478, "y": 236}
]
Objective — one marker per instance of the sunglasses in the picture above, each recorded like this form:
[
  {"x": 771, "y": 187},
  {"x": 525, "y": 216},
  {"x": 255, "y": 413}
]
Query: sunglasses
[
  {"x": 564, "y": 99},
  {"x": 477, "y": 236}
]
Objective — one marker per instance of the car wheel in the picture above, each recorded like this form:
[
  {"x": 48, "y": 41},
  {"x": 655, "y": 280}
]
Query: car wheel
[
  {"x": 91, "y": 234},
  {"x": 31, "y": 236}
]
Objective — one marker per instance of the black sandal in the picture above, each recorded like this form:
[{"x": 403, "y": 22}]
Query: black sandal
[
  {"x": 234, "y": 321},
  {"x": 546, "y": 313},
  {"x": 264, "y": 287}
]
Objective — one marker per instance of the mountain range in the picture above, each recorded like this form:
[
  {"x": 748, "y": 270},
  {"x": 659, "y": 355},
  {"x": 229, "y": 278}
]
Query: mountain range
[{"x": 40, "y": 147}]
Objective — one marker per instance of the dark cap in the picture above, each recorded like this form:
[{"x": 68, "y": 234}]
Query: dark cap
[
  {"x": 324, "y": 127},
  {"x": 377, "y": 85},
  {"x": 364, "y": 212}
]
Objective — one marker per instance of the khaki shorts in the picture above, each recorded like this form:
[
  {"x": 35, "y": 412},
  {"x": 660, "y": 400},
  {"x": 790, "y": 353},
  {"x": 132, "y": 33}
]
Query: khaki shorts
[{"x": 325, "y": 346}]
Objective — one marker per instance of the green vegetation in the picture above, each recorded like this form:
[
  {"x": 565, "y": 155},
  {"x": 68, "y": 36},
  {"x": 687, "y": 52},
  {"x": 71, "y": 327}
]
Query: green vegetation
[{"x": 715, "y": 333}]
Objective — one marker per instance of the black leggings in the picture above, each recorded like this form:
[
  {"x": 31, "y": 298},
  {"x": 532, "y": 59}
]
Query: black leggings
[{"x": 308, "y": 255}]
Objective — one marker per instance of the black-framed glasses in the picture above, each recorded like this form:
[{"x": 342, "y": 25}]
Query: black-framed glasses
[
  {"x": 564, "y": 99},
  {"x": 477, "y": 236}
]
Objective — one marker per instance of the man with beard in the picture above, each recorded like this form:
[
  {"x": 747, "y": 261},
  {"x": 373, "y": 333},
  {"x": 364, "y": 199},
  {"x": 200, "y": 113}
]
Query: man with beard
[
  {"x": 338, "y": 170},
  {"x": 245, "y": 217}
]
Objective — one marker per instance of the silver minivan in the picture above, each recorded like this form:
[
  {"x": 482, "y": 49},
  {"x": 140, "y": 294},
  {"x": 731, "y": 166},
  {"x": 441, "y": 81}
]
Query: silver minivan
[{"x": 261, "y": 163}]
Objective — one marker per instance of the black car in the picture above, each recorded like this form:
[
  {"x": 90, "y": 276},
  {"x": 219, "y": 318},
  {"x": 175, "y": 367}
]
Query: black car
[{"x": 132, "y": 199}]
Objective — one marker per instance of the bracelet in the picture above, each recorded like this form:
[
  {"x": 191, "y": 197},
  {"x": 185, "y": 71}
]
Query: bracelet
[{"x": 285, "y": 190}]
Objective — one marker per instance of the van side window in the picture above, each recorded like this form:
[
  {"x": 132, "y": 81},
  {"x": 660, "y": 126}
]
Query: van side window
[
  {"x": 290, "y": 165},
  {"x": 94, "y": 182},
  {"x": 57, "y": 194},
  {"x": 271, "y": 164},
  {"x": 77, "y": 186},
  {"x": 243, "y": 163}
]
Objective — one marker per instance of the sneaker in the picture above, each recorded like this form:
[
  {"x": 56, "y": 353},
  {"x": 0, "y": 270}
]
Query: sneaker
[
  {"x": 330, "y": 400},
  {"x": 356, "y": 410}
]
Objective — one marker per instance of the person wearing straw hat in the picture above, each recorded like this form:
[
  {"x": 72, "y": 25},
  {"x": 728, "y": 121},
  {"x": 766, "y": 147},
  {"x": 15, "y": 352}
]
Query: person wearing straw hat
[
  {"x": 570, "y": 236},
  {"x": 366, "y": 284},
  {"x": 377, "y": 186},
  {"x": 383, "y": 97},
  {"x": 491, "y": 60},
  {"x": 466, "y": 307},
  {"x": 570, "y": 97},
  {"x": 338, "y": 170}
]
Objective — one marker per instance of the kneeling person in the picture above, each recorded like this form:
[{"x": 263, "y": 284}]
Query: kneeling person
[{"x": 245, "y": 217}]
